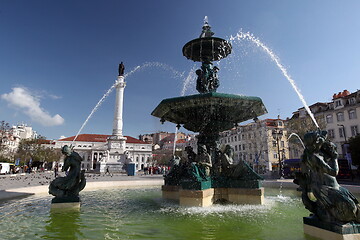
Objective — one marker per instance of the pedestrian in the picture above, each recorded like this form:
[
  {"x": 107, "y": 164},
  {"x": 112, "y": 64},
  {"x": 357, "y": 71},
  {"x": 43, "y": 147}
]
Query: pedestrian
[
  {"x": 56, "y": 169},
  {"x": 107, "y": 171}
]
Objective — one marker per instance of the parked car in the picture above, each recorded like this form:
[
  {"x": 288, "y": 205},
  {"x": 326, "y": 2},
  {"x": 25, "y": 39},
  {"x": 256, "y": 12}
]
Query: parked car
[{"x": 6, "y": 168}]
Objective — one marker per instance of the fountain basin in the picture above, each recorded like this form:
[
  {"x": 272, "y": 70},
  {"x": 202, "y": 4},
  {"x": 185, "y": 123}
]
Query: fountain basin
[
  {"x": 215, "y": 111},
  {"x": 140, "y": 213},
  {"x": 206, "y": 49}
]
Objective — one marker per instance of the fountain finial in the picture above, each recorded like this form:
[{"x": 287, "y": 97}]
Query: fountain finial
[{"x": 206, "y": 29}]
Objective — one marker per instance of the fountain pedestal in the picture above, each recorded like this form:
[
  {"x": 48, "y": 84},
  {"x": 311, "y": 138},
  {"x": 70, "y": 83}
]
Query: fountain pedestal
[
  {"x": 331, "y": 231},
  {"x": 65, "y": 206},
  {"x": 196, "y": 198},
  {"x": 210, "y": 175}
]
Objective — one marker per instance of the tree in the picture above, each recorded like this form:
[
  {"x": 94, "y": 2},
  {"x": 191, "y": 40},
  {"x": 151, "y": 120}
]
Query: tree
[
  {"x": 354, "y": 144},
  {"x": 302, "y": 125},
  {"x": 4, "y": 135},
  {"x": 33, "y": 149}
]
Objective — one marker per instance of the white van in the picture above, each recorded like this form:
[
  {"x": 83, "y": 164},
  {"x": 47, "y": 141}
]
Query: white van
[{"x": 6, "y": 167}]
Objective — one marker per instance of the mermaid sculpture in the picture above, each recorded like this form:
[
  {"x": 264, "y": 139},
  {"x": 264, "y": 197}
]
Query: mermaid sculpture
[
  {"x": 66, "y": 189},
  {"x": 319, "y": 168}
]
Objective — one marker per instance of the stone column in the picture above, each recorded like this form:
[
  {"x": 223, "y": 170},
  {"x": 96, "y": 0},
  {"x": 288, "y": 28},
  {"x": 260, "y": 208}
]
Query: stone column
[{"x": 118, "y": 113}]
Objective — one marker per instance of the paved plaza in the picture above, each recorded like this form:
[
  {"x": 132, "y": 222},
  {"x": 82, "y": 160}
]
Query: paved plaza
[{"x": 19, "y": 185}]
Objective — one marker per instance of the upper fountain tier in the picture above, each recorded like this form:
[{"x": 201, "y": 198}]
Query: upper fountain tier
[{"x": 206, "y": 48}]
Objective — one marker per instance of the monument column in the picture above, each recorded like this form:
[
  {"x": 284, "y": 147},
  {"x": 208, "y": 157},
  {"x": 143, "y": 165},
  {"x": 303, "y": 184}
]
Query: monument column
[
  {"x": 118, "y": 113},
  {"x": 117, "y": 141}
]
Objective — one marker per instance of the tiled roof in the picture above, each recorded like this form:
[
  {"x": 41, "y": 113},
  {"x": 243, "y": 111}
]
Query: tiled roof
[{"x": 99, "y": 138}]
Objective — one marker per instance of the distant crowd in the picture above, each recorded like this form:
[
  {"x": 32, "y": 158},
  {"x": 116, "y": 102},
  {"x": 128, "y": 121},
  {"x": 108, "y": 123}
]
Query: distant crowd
[{"x": 151, "y": 170}]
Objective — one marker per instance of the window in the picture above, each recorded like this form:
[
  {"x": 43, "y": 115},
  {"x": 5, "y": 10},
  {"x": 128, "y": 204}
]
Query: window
[
  {"x": 352, "y": 101},
  {"x": 243, "y": 146},
  {"x": 329, "y": 118},
  {"x": 235, "y": 138},
  {"x": 342, "y": 132},
  {"x": 338, "y": 103},
  {"x": 275, "y": 155},
  {"x": 352, "y": 114},
  {"x": 354, "y": 130},
  {"x": 249, "y": 145},
  {"x": 274, "y": 143},
  {"x": 331, "y": 133},
  {"x": 235, "y": 147},
  {"x": 280, "y": 123},
  {"x": 282, "y": 144},
  {"x": 340, "y": 116}
]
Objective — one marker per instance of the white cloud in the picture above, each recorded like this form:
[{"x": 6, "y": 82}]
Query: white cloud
[{"x": 30, "y": 105}]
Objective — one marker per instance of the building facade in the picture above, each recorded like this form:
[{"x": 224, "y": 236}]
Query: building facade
[
  {"x": 262, "y": 144},
  {"x": 93, "y": 148},
  {"x": 339, "y": 117}
]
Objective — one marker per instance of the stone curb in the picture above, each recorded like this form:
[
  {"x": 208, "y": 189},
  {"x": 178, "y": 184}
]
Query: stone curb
[{"x": 90, "y": 186}]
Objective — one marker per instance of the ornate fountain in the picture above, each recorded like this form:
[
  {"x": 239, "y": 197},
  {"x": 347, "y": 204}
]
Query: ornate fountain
[{"x": 210, "y": 174}]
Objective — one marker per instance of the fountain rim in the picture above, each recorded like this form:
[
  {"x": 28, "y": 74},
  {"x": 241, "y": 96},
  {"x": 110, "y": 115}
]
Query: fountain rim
[{"x": 199, "y": 41}]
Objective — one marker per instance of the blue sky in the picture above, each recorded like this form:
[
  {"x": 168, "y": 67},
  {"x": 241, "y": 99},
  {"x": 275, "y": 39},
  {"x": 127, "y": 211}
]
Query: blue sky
[{"x": 58, "y": 58}]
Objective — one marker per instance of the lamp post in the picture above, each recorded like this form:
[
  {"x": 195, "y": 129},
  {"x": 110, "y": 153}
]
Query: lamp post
[
  {"x": 343, "y": 127},
  {"x": 343, "y": 146},
  {"x": 277, "y": 134}
]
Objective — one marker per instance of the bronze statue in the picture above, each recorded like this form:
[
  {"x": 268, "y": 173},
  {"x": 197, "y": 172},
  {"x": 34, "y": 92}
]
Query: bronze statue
[
  {"x": 207, "y": 80},
  {"x": 319, "y": 168},
  {"x": 121, "y": 69},
  {"x": 66, "y": 189},
  {"x": 242, "y": 170}
]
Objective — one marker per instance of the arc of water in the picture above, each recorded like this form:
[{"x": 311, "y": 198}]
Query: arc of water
[
  {"x": 296, "y": 135},
  {"x": 137, "y": 68},
  {"x": 94, "y": 110},
  {"x": 240, "y": 35},
  {"x": 188, "y": 80},
  {"x": 175, "y": 139}
]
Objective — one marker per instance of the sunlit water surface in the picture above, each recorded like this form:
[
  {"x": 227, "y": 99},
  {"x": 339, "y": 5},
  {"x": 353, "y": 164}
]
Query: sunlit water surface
[{"x": 143, "y": 214}]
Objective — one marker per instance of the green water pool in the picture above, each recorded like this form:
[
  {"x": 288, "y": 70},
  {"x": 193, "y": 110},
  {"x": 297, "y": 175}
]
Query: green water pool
[{"x": 143, "y": 214}]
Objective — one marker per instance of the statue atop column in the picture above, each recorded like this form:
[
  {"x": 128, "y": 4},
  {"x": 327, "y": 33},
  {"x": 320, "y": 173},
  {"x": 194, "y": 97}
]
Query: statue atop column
[{"x": 121, "y": 69}]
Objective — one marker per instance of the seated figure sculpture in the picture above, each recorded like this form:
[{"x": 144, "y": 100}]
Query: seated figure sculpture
[
  {"x": 199, "y": 164},
  {"x": 319, "y": 168},
  {"x": 66, "y": 189},
  {"x": 240, "y": 171}
]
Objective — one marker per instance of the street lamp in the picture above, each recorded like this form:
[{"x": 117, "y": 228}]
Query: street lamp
[
  {"x": 343, "y": 145},
  {"x": 277, "y": 134},
  {"x": 343, "y": 127}
]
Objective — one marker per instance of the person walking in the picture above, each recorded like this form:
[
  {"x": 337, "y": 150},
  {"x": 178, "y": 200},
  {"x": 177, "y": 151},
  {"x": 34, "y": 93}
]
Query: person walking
[
  {"x": 107, "y": 171},
  {"x": 56, "y": 169}
]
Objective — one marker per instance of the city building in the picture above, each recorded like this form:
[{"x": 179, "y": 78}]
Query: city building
[
  {"x": 94, "y": 150},
  {"x": 262, "y": 144},
  {"x": 11, "y": 138},
  {"x": 340, "y": 117}
]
